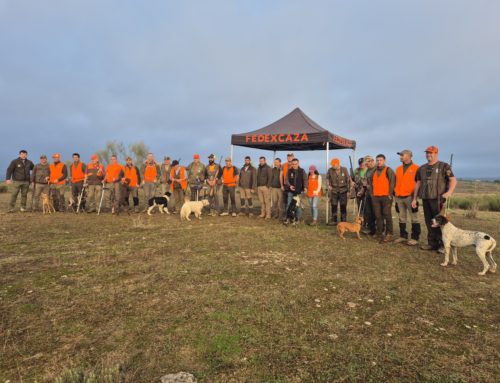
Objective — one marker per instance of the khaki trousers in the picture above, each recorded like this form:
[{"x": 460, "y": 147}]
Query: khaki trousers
[
  {"x": 264, "y": 194},
  {"x": 277, "y": 202}
]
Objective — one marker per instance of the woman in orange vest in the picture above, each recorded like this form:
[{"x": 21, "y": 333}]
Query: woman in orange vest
[
  {"x": 77, "y": 176},
  {"x": 403, "y": 191},
  {"x": 314, "y": 192},
  {"x": 382, "y": 181},
  {"x": 57, "y": 180}
]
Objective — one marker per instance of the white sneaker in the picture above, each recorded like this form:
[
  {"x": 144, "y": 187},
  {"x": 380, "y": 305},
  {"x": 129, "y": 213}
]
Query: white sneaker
[
  {"x": 224, "y": 214},
  {"x": 400, "y": 240},
  {"x": 234, "y": 214}
]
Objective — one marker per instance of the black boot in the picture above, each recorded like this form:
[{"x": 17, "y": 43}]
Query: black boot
[
  {"x": 333, "y": 221},
  {"x": 415, "y": 231},
  {"x": 343, "y": 217}
]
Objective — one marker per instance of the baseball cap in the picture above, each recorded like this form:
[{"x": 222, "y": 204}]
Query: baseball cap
[
  {"x": 335, "y": 162},
  {"x": 211, "y": 156},
  {"x": 196, "y": 156},
  {"x": 406, "y": 151},
  {"x": 228, "y": 159},
  {"x": 94, "y": 157},
  {"x": 431, "y": 149},
  {"x": 290, "y": 155},
  {"x": 166, "y": 158},
  {"x": 43, "y": 156},
  {"x": 175, "y": 162},
  {"x": 368, "y": 158},
  {"x": 56, "y": 155}
]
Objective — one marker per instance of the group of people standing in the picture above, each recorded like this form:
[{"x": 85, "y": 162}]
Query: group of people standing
[{"x": 373, "y": 185}]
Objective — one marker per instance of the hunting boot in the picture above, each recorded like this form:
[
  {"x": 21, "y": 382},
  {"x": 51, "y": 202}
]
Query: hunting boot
[
  {"x": 343, "y": 217},
  {"x": 415, "y": 234},
  {"x": 403, "y": 234},
  {"x": 386, "y": 238},
  {"x": 250, "y": 207},
  {"x": 242, "y": 204}
]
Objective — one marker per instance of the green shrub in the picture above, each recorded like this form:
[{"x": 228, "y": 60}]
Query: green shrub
[{"x": 4, "y": 188}]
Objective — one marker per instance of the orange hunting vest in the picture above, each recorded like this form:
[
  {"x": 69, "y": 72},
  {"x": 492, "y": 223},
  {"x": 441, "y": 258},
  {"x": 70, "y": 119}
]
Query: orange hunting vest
[
  {"x": 150, "y": 173},
  {"x": 130, "y": 173},
  {"x": 228, "y": 176},
  {"x": 405, "y": 182},
  {"x": 56, "y": 172},
  {"x": 182, "y": 176},
  {"x": 77, "y": 174},
  {"x": 380, "y": 183},
  {"x": 113, "y": 172},
  {"x": 312, "y": 186},
  {"x": 285, "y": 171}
]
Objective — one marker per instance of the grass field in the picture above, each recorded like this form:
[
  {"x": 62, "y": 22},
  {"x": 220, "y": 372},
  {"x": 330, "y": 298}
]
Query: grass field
[{"x": 238, "y": 300}]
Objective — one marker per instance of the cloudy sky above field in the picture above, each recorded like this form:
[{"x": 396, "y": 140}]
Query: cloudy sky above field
[{"x": 182, "y": 76}]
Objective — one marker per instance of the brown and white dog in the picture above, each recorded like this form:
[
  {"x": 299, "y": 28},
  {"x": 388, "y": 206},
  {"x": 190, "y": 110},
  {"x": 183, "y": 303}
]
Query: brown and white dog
[
  {"x": 47, "y": 206},
  {"x": 453, "y": 238},
  {"x": 353, "y": 227}
]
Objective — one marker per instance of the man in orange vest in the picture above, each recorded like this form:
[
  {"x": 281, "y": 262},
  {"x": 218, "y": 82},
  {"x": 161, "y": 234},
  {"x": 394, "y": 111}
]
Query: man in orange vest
[
  {"x": 230, "y": 178},
  {"x": 77, "y": 177},
  {"x": 130, "y": 185},
  {"x": 94, "y": 178},
  {"x": 114, "y": 173},
  {"x": 382, "y": 182},
  {"x": 150, "y": 174},
  {"x": 403, "y": 192},
  {"x": 179, "y": 178},
  {"x": 57, "y": 180},
  {"x": 283, "y": 177}
]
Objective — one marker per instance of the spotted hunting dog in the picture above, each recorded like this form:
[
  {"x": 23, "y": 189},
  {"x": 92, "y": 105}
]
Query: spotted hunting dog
[{"x": 453, "y": 238}]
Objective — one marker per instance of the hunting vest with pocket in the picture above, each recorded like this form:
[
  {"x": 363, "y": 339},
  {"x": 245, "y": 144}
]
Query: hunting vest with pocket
[
  {"x": 339, "y": 181},
  {"x": 229, "y": 176},
  {"x": 196, "y": 171},
  {"x": 150, "y": 172},
  {"x": 130, "y": 174},
  {"x": 113, "y": 173},
  {"x": 56, "y": 172},
  {"x": 380, "y": 183},
  {"x": 165, "y": 173},
  {"x": 433, "y": 181},
  {"x": 77, "y": 173},
  {"x": 40, "y": 173},
  {"x": 212, "y": 171},
  {"x": 405, "y": 180},
  {"x": 95, "y": 173},
  {"x": 312, "y": 186},
  {"x": 181, "y": 174}
]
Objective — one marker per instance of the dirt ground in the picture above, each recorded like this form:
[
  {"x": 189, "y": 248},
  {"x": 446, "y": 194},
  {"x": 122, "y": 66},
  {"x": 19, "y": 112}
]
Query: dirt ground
[{"x": 239, "y": 300}]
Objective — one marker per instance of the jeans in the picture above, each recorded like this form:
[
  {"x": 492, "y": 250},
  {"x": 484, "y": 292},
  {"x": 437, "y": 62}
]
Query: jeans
[{"x": 313, "y": 202}]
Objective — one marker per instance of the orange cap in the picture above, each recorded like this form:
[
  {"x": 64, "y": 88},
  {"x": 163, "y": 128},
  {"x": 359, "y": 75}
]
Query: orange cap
[
  {"x": 335, "y": 162},
  {"x": 56, "y": 155},
  {"x": 431, "y": 149},
  {"x": 196, "y": 156},
  {"x": 94, "y": 157}
]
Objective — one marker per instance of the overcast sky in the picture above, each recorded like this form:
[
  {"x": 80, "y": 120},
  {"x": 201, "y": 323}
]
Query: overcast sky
[{"x": 182, "y": 76}]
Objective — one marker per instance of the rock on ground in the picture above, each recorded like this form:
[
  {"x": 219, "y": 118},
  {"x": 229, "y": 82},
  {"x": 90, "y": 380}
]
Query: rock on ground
[{"x": 180, "y": 377}]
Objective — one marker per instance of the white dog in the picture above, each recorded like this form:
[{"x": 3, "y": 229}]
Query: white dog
[
  {"x": 453, "y": 237},
  {"x": 193, "y": 207}
]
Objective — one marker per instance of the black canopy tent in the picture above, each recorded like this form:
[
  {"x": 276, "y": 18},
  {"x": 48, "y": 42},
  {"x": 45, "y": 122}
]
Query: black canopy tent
[{"x": 293, "y": 132}]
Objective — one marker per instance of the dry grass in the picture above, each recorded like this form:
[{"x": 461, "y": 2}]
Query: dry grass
[{"x": 238, "y": 299}]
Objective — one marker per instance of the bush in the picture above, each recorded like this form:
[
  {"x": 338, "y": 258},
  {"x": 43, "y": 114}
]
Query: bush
[
  {"x": 4, "y": 188},
  {"x": 483, "y": 203}
]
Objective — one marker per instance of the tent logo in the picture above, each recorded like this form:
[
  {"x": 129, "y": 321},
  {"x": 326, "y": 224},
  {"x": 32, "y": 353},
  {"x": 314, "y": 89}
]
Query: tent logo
[{"x": 281, "y": 137}]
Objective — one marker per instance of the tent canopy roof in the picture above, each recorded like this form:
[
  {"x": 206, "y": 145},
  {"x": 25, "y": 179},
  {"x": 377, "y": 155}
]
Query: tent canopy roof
[{"x": 295, "y": 131}]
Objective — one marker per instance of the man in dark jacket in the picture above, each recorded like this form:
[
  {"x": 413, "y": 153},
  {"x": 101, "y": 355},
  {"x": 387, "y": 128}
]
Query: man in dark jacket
[
  {"x": 264, "y": 174},
  {"x": 248, "y": 185},
  {"x": 19, "y": 176},
  {"x": 40, "y": 179},
  {"x": 276, "y": 192},
  {"x": 339, "y": 182},
  {"x": 295, "y": 184}
]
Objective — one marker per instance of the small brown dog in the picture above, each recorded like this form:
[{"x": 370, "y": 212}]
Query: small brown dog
[
  {"x": 353, "y": 227},
  {"x": 47, "y": 206}
]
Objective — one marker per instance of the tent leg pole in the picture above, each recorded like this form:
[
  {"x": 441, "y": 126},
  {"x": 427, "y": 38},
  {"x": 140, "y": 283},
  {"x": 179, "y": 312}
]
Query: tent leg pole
[
  {"x": 326, "y": 174},
  {"x": 355, "y": 209},
  {"x": 231, "y": 155}
]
